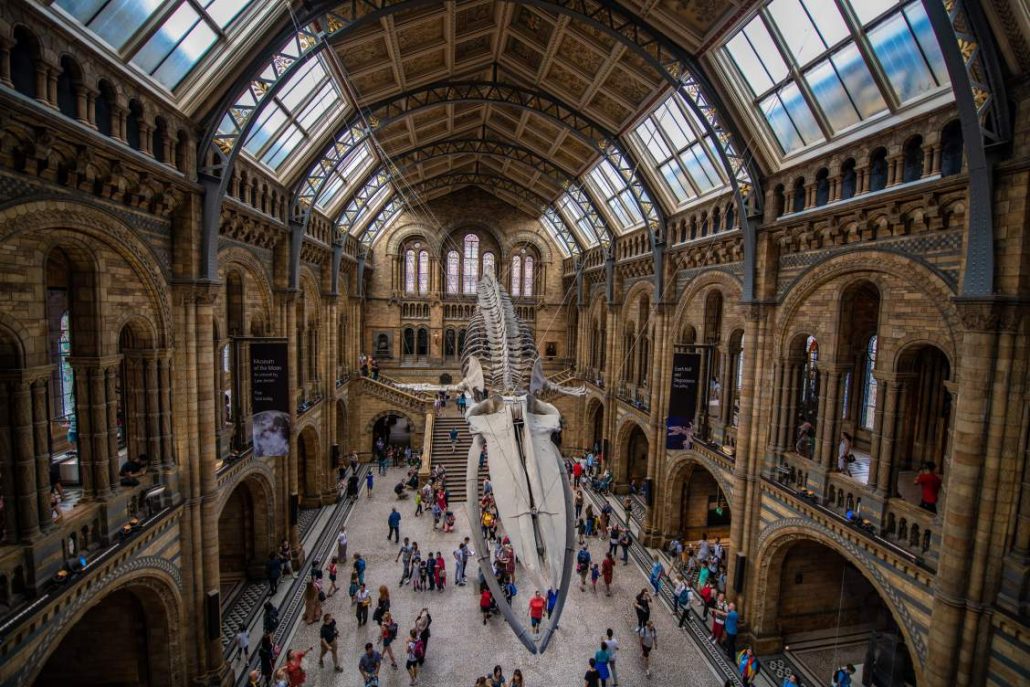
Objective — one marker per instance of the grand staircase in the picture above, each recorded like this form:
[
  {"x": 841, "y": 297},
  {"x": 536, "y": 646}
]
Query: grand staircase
[{"x": 456, "y": 462}]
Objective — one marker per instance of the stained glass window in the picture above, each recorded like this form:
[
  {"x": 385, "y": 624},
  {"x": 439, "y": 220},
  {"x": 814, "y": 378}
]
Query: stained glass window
[
  {"x": 67, "y": 377},
  {"x": 516, "y": 276},
  {"x": 470, "y": 268},
  {"x": 185, "y": 30},
  {"x": 809, "y": 79},
  {"x": 409, "y": 271},
  {"x": 527, "y": 276},
  {"x": 453, "y": 272},
  {"x": 488, "y": 263},
  {"x": 423, "y": 272}
]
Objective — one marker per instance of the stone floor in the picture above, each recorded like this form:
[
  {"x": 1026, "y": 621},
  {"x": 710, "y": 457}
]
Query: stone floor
[{"x": 461, "y": 648}]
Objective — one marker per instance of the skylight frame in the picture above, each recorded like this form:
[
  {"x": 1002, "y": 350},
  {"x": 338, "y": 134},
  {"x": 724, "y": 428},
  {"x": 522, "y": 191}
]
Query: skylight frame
[
  {"x": 577, "y": 220},
  {"x": 764, "y": 98},
  {"x": 619, "y": 205}
]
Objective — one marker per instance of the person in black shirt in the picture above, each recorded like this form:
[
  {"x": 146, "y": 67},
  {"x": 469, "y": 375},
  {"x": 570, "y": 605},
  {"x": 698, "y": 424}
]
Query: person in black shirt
[
  {"x": 328, "y": 634},
  {"x": 592, "y": 678},
  {"x": 132, "y": 470}
]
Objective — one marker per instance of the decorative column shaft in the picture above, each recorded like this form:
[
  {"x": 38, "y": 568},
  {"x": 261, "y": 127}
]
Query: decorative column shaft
[
  {"x": 153, "y": 417},
  {"x": 24, "y": 461},
  {"x": 98, "y": 412},
  {"x": 84, "y": 421},
  {"x": 889, "y": 422},
  {"x": 111, "y": 377},
  {"x": 828, "y": 422},
  {"x": 877, "y": 436},
  {"x": 820, "y": 421},
  {"x": 40, "y": 439}
]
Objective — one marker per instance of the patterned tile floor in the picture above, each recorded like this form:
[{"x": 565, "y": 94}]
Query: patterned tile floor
[{"x": 462, "y": 649}]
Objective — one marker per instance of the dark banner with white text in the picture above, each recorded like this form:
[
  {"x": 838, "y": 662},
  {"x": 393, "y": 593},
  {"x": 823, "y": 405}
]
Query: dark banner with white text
[
  {"x": 686, "y": 371},
  {"x": 270, "y": 398}
]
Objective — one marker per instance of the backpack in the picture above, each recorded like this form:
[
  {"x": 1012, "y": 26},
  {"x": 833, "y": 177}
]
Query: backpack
[
  {"x": 420, "y": 649},
  {"x": 392, "y": 630}
]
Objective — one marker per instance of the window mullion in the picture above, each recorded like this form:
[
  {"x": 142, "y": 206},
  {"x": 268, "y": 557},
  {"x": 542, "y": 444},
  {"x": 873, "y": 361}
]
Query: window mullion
[
  {"x": 149, "y": 28},
  {"x": 795, "y": 72},
  {"x": 866, "y": 50}
]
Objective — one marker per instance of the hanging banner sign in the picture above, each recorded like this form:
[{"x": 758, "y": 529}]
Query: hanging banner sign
[
  {"x": 270, "y": 398},
  {"x": 686, "y": 371}
]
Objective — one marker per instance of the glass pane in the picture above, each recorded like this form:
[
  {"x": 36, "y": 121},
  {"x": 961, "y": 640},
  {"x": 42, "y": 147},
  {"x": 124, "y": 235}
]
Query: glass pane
[
  {"x": 927, "y": 40},
  {"x": 676, "y": 179},
  {"x": 700, "y": 168},
  {"x": 780, "y": 123},
  {"x": 409, "y": 271},
  {"x": 901, "y": 58},
  {"x": 83, "y": 10},
  {"x": 318, "y": 106},
  {"x": 867, "y": 10},
  {"x": 301, "y": 84},
  {"x": 224, "y": 11},
  {"x": 516, "y": 276},
  {"x": 858, "y": 81},
  {"x": 797, "y": 30},
  {"x": 674, "y": 124},
  {"x": 748, "y": 64},
  {"x": 265, "y": 127},
  {"x": 186, "y": 55},
  {"x": 283, "y": 146},
  {"x": 119, "y": 20},
  {"x": 766, "y": 50},
  {"x": 796, "y": 106},
  {"x": 332, "y": 187},
  {"x": 652, "y": 142},
  {"x": 423, "y": 272},
  {"x": 166, "y": 38},
  {"x": 828, "y": 20},
  {"x": 830, "y": 94},
  {"x": 527, "y": 276}
]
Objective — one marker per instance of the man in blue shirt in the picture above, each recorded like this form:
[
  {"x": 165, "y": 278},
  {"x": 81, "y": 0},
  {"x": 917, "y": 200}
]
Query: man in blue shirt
[
  {"x": 732, "y": 621},
  {"x": 369, "y": 663},
  {"x": 394, "y": 521}
]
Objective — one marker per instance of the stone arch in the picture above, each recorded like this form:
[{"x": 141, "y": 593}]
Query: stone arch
[
  {"x": 412, "y": 231},
  {"x": 54, "y": 220},
  {"x": 773, "y": 544},
  {"x": 341, "y": 425},
  {"x": 155, "y": 584},
  {"x": 593, "y": 427},
  {"x": 543, "y": 246},
  {"x": 696, "y": 477},
  {"x": 12, "y": 343},
  {"x": 728, "y": 284},
  {"x": 386, "y": 413},
  {"x": 867, "y": 263},
  {"x": 246, "y": 525},
  {"x": 625, "y": 466},
  {"x": 309, "y": 454},
  {"x": 248, "y": 262}
]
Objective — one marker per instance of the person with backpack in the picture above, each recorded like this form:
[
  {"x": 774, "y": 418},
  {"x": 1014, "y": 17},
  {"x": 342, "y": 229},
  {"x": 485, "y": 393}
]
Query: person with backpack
[
  {"x": 624, "y": 542},
  {"x": 393, "y": 521},
  {"x": 388, "y": 633},
  {"x": 583, "y": 567},
  {"x": 842, "y": 676},
  {"x": 454, "y": 438},
  {"x": 327, "y": 637},
  {"x": 422, "y": 624},
  {"x": 359, "y": 568},
  {"x": 412, "y": 655},
  {"x": 648, "y": 643},
  {"x": 748, "y": 666}
]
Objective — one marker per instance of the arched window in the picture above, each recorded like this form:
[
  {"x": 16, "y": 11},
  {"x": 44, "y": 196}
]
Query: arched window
[
  {"x": 423, "y": 342},
  {"x": 951, "y": 148},
  {"x": 409, "y": 271},
  {"x": 847, "y": 179},
  {"x": 408, "y": 342},
  {"x": 822, "y": 187},
  {"x": 160, "y": 139},
  {"x": 66, "y": 378},
  {"x": 779, "y": 200},
  {"x": 912, "y": 169},
  {"x": 461, "y": 341},
  {"x": 67, "y": 81},
  {"x": 527, "y": 277},
  {"x": 449, "y": 344},
  {"x": 23, "y": 62},
  {"x": 132, "y": 128},
  {"x": 869, "y": 385},
  {"x": 453, "y": 272},
  {"x": 102, "y": 108},
  {"x": 809, "y": 392},
  {"x": 516, "y": 275},
  {"x": 423, "y": 272},
  {"x": 798, "y": 197},
  {"x": 488, "y": 263},
  {"x": 470, "y": 268},
  {"x": 878, "y": 170}
]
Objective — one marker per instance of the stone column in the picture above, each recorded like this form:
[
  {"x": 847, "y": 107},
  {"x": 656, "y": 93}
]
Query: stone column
[
  {"x": 889, "y": 421},
  {"x": 877, "y": 434},
  {"x": 24, "y": 461},
  {"x": 292, "y": 471},
  {"x": 85, "y": 430},
  {"x": 5, "y": 61},
  {"x": 42, "y": 88},
  {"x": 167, "y": 450},
  {"x": 208, "y": 459},
  {"x": 828, "y": 419},
  {"x": 153, "y": 416},
  {"x": 98, "y": 411},
  {"x": 40, "y": 419},
  {"x": 110, "y": 377},
  {"x": 656, "y": 450},
  {"x": 820, "y": 419},
  {"x": 787, "y": 378}
]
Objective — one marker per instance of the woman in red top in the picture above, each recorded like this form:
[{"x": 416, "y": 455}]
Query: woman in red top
[
  {"x": 930, "y": 482},
  {"x": 536, "y": 611},
  {"x": 295, "y": 667},
  {"x": 486, "y": 602},
  {"x": 607, "y": 570}
]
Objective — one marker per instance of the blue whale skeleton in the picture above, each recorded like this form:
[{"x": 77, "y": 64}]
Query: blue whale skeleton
[{"x": 503, "y": 374}]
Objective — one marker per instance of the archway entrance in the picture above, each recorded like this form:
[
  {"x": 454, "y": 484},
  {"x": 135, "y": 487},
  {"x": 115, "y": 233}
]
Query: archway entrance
[
  {"x": 393, "y": 430},
  {"x": 704, "y": 509},
  {"x": 244, "y": 541},
  {"x": 635, "y": 456},
  {"x": 821, "y": 606},
  {"x": 132, "y": 621},
  {"x": 597, "y": 427}
]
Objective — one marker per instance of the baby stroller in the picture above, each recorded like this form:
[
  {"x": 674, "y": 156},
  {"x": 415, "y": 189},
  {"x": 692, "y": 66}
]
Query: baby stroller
[{"x": 602, "y": 484}]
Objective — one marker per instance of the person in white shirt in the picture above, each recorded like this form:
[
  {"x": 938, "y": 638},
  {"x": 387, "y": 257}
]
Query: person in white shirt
[
  {"x": 613, "y": 653},
  {"x": 341, "y": 544}
]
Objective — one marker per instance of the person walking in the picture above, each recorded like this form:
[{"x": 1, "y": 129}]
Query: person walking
[
  {"x": 613, "y": 654},
  {"x": 454, "y": 438},
  {"x": 359, "y": 568},
  {"x": 440, "y": 570},
  {"x": 657, "y": 573},
  {"x": 295, "y": 667},
  {"x": 719, "y": 612},
  {"x": 686, "y": 598},
  {"x": 592, "y": 678},
  {"x": 313, "y": 597},
  {"x": 422, "y": 623},
  {"x": 748, "y": 666},
  {"x": 642, "y": 605},
  {"x": 242, "y": 642},
  {"x": 382, "y": 605},
  {"x": 369, "y": 481},
  {"x": 583, "y": 566},
  {"x": 369, "y": 664},
  {"x": 274, "y": 571},
  {"x": 537, "y": 604},
  {"x": 624, "y": 542},
  {"x": 388, "y": 633},
  {"x": 607, "y": 572},
  {"x": 411, "y": 656},
  {"x": 578, "y": 502},
  {"x": 552, "y": 601},
  {"x": 271, "y": 617},
  {"x": 601, "y": 658},
  {"x": 267, "y": 653},
  {"x": 362, "y": 600},
  {"x": 648, "y": 643},
  {"x": 327, "y": 638},
  {"x": 405, "y": 553},
  {"x": 394, "y": 522},
  {"x": 613, "y": 539},
  {"x": 333, "y": 570}
]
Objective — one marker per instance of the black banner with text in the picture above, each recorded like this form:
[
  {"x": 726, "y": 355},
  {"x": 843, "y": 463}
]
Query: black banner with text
[
  {"x": 686, "y": 371},
  {"x": 270, "y": 398}
]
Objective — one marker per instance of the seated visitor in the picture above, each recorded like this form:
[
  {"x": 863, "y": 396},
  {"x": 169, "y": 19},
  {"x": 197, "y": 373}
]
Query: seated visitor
[{"x": 132, "y": 470}]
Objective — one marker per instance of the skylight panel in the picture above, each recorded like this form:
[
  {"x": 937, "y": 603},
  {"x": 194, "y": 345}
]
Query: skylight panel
[
  {"x": 186, "y": 30},
  {"x": 373, "y": 204},
  {"x": 566, "y": 244},
  {"x": 578, "y": 220},
  {"x": 808, "y": 28},
  {"x": 910, "y": 56},
  {"x": 344, "y": 179},
  {"x": 618, "y": 198}
]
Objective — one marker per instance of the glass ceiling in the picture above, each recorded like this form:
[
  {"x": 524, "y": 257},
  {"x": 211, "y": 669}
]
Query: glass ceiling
[
  {"x": 619, "y": 203},
  {"x": 559, "y": 233},
  {"x": 164, "y": 38},
  {"x": 812, "y": 71},
  {"x": 682, "y": 158}
]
